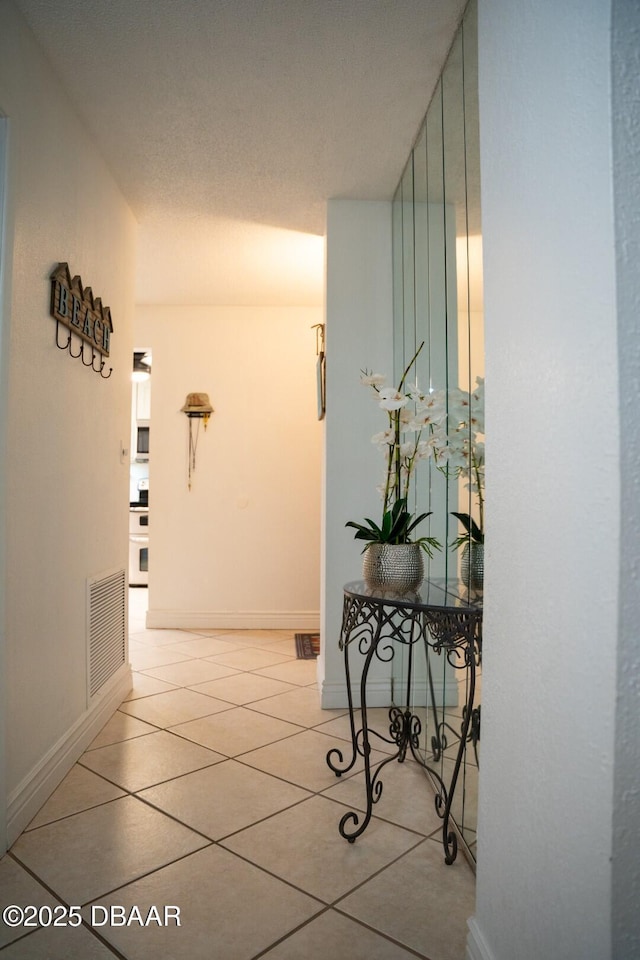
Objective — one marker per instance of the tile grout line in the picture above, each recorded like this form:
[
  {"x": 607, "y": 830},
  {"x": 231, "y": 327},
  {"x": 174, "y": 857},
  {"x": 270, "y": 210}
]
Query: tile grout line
[{"x": 63, "y": 901}]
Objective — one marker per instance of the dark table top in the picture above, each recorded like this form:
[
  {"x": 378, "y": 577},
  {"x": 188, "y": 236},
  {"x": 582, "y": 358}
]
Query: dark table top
[{"x": 450, "y": 595}]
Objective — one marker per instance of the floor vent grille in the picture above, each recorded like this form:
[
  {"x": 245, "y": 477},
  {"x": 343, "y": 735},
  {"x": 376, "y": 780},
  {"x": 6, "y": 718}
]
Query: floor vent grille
[{"x": 106, "y": 628}]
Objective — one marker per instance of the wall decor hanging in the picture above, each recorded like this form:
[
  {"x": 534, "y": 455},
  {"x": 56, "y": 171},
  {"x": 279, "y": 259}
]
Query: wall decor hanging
[
  {"x": 197, "y": 407},
  {"x": 321, "y": 369},
  {"x": 74, "y": 308}
]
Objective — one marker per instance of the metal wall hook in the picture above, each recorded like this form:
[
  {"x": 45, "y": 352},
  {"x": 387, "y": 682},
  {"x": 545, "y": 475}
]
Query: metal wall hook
[
  {"x": 319, "y": 329},
  {"x": 101, "y": 363},
  {"x": 90, "y": 363},
  {"x": 100, "y": 368},
  {"x": 62, "y": 346},
  {"x": 84, "y": 346},
  {"x": 71, "y": 353}
]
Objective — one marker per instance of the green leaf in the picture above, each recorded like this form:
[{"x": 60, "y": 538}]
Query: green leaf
[
  {"x": 399, "y": 528},
  {"x": 473, "y": 530},
  {"x": 397, "y": 524},
  {"x": 423, "y": 516},
  {"x": 372, "y": 528},
  {"x": 357, "y": 526},
  {"x": 352, "y": 523},
  {"x": 429, "y": 544},
  {"x": 399, "y": 507}
]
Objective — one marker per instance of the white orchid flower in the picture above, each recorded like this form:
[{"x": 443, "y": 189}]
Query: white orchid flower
[
  {"x": 392, "y": 399},
  {"x": 441, "y": 424},
  {"x": 373, "y": 379},
  {"x": 412, "y": 425},
  {"x": 407, "y": 450},
  {"x": 449, "y": 455},
  {"x": 423, "y": 450},
  {"x": 386, "y": 438},
  {"x": 417, "y": 395},
  {"x": 459, "y": 404},
  {"x": 441, "y": 451},
  {"x": 429, "y": 417},
  {"x": 406, "y": 421},
  {"x": 434, "y": 402}
]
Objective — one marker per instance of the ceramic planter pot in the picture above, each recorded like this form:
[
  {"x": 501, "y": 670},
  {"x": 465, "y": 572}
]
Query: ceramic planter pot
[
  {"x": 393, "y": 566},
  {"x": 472, "y": 565}
]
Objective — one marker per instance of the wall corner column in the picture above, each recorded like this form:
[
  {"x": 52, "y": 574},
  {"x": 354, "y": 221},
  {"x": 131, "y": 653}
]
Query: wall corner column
[{"x": 359, "y": 334}]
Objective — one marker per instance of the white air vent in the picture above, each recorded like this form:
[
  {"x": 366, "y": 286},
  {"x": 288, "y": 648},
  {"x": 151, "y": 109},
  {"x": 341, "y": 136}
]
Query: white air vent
[{"x": 106, "y": 629}]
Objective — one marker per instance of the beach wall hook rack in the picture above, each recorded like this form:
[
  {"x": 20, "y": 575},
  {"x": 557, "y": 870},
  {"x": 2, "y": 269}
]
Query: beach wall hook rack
[{"x": 77, "y": 312}]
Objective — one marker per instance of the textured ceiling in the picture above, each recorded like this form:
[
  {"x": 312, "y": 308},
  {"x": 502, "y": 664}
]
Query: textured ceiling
[{"x": 229, "y": 123}]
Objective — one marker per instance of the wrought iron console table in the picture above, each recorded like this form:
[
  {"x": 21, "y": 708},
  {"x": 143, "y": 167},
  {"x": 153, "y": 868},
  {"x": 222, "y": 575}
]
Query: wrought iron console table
[{"x": 375, "y": 623}]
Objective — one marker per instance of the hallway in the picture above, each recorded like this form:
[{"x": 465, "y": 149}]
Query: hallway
[{"x": 209, "y": 791}]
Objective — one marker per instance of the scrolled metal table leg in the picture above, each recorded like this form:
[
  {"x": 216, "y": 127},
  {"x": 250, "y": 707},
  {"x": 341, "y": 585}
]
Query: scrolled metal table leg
[
  {"x": 373, "y": 788},
  {"x": 372, "y": 620},
  {"x": 449, "y": 838},
  {"x": 339, "y": 766}
]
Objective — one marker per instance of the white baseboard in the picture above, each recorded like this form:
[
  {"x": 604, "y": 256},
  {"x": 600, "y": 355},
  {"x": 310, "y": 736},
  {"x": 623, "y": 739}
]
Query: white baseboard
[
  {"x": 233, "y": 619},
  {"x": 477, "y": 948},
  {"x": 333, "y": 696},
  {"x": 35, "y": 789},
  {"x": 445, "y": 692}
]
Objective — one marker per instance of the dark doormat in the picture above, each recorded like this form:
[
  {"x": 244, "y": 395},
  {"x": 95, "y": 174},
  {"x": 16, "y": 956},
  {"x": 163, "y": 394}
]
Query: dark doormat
[{"x": 307, "y": 646}]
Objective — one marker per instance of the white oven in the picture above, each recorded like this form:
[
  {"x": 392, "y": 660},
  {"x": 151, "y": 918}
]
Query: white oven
[
  {"x": 138, "y": 546},
  {"x": 142, "y": 441}
]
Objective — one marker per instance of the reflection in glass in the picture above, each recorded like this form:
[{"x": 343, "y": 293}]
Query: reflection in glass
[{"x": 437, "y": 250}]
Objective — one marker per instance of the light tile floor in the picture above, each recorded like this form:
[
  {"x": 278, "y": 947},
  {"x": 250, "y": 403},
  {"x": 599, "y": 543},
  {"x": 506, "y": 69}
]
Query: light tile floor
[{"x": 209, "y": 791}]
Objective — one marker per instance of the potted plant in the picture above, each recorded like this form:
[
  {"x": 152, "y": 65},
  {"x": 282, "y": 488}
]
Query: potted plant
[{"x": 392, "y": 553}]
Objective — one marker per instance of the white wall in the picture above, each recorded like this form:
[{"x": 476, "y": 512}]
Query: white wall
[
  {"x": 626, "y": 150},
  {"x": 551, "y": 585},
  {"x": 359, "y": 335},
  {"x": 242, "y": 548},
  {"x": 65, "y": 490}
]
